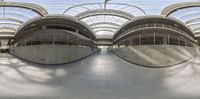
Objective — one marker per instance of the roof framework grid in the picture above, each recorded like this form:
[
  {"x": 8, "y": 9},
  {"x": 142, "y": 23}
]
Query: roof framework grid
[
  {"x": 104, "y": 20},
  {"x": 14, "y": 14},
  {"x": 188, "y": 12}
]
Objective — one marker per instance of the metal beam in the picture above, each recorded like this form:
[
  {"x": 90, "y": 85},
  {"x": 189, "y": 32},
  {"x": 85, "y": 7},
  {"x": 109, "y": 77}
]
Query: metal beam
[
  {"x": 196, "y": 29},
  {"x": 174, "y": 7},
  {"x": 100, "y": 23},
  {"x": 7, "y": 28},
  {"x": 16, "y": 14},
  {"x": 104, "y": 12},
  {"x": 12, "y": 19},
  {"x": 109, "y": 27},
  {"x": 105, "y": 30},
  {"x": 192, "y": 20},
  {"x": 191, "y": 14},
  {"x": 10, "y": 24},
  {"x": 134, "y": 6},
  {"x": 36, "y": 8},
  {"x": 192, "y": 24}
]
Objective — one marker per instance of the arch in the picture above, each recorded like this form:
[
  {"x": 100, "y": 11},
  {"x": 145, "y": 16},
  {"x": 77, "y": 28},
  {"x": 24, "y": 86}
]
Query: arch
[
  {"x": 192, "y": 20},
  {"x": 192, "y": 24},
  {"x": 109, "y": 23},
  {"x": 36, "y": 8},
  {"x": 12, "y": 19},
  {"x": 105, "y": 30},
  {"x": 196, "y": 29},
  {"x": 104, "y": 12},
  {"x": 134, "y": 6},
  {"x": 189, "y": 15},
  {"x": 19, "y": 15},
  {"x": 10, "y": 23},
  {"x": 174, "y": 7},
  {"x": 9, "y": 28},
  {"x": 104, "y": 27}
]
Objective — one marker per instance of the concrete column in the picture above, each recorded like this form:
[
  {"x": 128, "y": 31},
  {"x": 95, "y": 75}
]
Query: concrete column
[
  {"x": 42, "y": 45},
  {"x": 67, "y": 40},
  {"x": 185, "y": 42},
  {"x": 43, "y": 49},
  {"x": 178, "y": 40},
  {"x": 54, "y": 38},
  {"x": 77, "y": 34},
  {"x": 165, "y": 39},
  {"x": 41, "y": 38},
  {"x": 77, "y": 43},
  {"x": 31, "y": 40},
  {"x": 154, "y": 38},
  {"x": 168, "y": 38},
  {"x": 140, "y": 39},
  {"x": 44, "y": 27},
  {"x": 25, "y": 42}
]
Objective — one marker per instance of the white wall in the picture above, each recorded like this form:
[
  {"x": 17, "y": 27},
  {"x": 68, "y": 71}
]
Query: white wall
[
  {"x": 156, "y": 55},
  {"x": 52, "y": 54}
]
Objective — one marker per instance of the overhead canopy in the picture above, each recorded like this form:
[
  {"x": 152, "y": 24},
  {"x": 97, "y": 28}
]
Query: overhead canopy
[
  {"x": 14, "y": 14},
  {"x": 188, "y": 12},
  {"x": 104, "y": 20}
]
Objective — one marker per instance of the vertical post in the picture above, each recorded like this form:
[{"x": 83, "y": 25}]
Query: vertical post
[
  {"x": 185, "y": 42},
  {"x": 31, "y": 41},
  {"x": 168, "y": 39},
  {"x": 25, "y": 42},
  {"x": 140, "y": 39},
  {"x": 154, "y": 38},
  {"x": 164, "y": 39},
  {"x": 67, "y": 40},
  {"x": 77, "y": 31},
  {"x": 41, "y": 38},
  {"x": 178, "y": 40},
  {"x": 43, "y": 28},
  {"x": 54, "y": 38}
]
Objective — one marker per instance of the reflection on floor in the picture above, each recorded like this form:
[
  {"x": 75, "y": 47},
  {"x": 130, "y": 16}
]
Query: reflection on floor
[{"x": 101, "y": 76}]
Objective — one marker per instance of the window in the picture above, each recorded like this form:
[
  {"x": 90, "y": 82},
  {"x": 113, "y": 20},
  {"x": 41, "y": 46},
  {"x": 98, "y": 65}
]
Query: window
[{"x": 147, "y": 40}]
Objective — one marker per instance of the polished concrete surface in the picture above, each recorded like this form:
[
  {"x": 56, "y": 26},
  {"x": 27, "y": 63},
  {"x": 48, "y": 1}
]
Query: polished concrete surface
[{"x": 101, "y": 76}]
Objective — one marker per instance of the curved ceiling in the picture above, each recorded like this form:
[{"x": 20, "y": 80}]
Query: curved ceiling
[
  {"x": 103, "y": 19},
  {"x": 14, "y": 14},
  {"x": 188, "y": 12}
]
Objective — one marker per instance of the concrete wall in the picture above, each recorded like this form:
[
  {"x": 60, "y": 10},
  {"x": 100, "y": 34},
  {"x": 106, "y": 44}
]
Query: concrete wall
[
  {"x": 52, "y": 54},
  {"x": 156, "y": 55}
]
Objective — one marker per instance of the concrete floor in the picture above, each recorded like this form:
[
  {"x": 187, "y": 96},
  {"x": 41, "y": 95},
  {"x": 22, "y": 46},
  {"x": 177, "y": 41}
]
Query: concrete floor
[{"x": 101, "y": 76}]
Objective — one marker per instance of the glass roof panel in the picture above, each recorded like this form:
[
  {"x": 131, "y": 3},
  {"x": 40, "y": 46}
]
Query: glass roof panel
[
  {"x": 190, "y": 16},
  {"x": 115, "y": 13},
  {"x": 11, "y": 18},
  {"x": 129, "y": 8}
]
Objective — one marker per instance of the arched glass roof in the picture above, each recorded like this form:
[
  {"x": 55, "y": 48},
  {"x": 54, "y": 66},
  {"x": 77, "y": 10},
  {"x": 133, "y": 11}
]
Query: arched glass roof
[
  {"x": 104, "y": 21},
  {"x": 13, "y": 15},
  {"x": 188, "y": 12}
]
